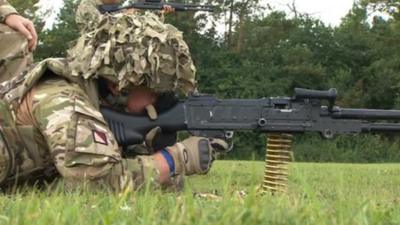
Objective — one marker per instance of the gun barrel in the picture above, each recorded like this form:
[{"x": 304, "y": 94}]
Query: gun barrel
[
  {"x": 381, "y": 127},
  {"x": 367, "y": 114}
]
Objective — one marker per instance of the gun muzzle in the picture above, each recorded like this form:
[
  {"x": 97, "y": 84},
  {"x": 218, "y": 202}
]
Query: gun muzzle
[
  {"x": 380, "y": 127},
  {"x": 365, "y": 114}
]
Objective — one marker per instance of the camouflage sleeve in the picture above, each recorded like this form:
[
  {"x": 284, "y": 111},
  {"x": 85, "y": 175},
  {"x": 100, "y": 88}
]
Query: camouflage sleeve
[
  {"x": 5, "y": 10},
  {"x": 87, "y": 15}
]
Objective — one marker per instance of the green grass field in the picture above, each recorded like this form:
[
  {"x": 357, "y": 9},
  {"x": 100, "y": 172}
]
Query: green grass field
[{"x": 318, "y": 194}]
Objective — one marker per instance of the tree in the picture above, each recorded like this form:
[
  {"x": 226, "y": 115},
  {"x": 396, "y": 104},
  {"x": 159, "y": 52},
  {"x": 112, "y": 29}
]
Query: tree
[
  {"x": 369, "y": 53},
  {"x": 25, "y": 7},
  {"x": 55, "y": 42}
]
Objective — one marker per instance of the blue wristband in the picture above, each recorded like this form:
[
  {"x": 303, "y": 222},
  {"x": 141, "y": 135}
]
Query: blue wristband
[{"x": 170, "y": 161}]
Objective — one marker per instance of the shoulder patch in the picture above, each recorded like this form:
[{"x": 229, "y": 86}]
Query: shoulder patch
[{"x": 100, "y": 137}]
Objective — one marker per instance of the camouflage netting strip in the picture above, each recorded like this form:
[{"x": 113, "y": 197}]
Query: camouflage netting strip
[{"x": 135, "y": 49}]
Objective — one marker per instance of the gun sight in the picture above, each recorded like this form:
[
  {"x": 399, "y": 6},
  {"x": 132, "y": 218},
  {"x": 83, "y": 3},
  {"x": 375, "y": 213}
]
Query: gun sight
[{"x": 329, "y": 95}]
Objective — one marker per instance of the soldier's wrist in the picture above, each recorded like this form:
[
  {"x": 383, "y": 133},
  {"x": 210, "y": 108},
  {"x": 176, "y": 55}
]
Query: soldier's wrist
[
  {"x": 174, "y": 151},
  {"x": 170, "y": 161}
]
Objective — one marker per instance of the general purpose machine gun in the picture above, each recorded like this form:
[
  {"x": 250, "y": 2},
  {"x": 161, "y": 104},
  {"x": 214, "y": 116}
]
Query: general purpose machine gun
[
  {"x": 153, "y": 5},
  {"x": 204, "y": 115}
]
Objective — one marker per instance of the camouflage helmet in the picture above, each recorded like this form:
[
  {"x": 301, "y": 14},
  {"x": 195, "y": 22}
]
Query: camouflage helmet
[{"x": 135, "y": 49}]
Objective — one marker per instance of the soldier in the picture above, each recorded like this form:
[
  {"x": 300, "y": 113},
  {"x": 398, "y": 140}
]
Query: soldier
[
  {"x": 87, "y": 14},
  {"x": 18, "y": 39},
  {"x": 51, "y": 119}
]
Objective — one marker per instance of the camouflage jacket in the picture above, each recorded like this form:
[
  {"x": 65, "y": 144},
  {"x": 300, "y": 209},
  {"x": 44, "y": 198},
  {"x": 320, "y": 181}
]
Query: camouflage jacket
[
  {"x": 14, "y": 90},
  {"x": 33, "y": 145},
  {"x": 26, "y": 151},
  {"x": 5, "y": 10}
]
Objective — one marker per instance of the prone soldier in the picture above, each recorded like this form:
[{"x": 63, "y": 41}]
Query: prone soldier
[
  {"x": 18, "y": 39},
  {"x": 51, "y": 121}
]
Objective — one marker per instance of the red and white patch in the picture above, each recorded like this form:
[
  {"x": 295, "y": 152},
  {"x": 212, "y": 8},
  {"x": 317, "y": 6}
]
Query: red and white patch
[{"x": 100, "y": 137}]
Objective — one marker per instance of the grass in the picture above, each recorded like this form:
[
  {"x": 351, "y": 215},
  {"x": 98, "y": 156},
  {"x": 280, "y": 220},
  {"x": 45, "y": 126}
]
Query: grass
[{"x": 318, "y": 194}]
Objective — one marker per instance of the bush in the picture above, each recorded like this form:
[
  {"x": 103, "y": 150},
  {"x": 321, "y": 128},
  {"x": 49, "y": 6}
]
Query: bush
[{"x": 312, "y": 148}]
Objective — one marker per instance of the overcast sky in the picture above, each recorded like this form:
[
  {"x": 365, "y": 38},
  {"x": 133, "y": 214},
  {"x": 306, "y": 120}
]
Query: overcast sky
[{"x": 329, "y": 11}]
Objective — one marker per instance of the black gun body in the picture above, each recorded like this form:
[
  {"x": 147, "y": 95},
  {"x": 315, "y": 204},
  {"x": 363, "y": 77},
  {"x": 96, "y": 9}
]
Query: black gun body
[
  {"x": 211, "y": 117},
  {"x": 204, "y": 114}
]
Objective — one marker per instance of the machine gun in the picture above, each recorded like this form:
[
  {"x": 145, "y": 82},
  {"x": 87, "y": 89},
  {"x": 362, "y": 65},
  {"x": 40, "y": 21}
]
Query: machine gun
[
  {"x": 153, "y": 5},
  {"x": 206, "y": 116}
]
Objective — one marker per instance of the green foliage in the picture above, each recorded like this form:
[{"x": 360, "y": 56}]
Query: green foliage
[
  {"x": 351, "y": 149},
  {"x": 318, "y": 194},
  {"x": 25, "y": 7},
  {"x": 313, "y": 148},
  {"x": 55, "y": 42}
]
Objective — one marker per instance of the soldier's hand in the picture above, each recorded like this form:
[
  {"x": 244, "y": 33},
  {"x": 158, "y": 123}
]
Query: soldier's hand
[
  {"x": 151, "y": 112},
  {"x": 151, "y": 137},
  {"x": 167, "y": 9},
  {"x": 24, "y": 26},
  {"x": 194, "y": 155}
]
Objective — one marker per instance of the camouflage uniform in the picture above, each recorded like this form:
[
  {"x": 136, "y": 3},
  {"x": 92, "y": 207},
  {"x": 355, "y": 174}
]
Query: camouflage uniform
[
  {"x": 61, "y": 128},
  {"x": 14, "y": 53},
  {"x": 51, "y": 119}
]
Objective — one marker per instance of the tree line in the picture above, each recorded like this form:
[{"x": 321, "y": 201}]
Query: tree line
[{"x": 266, "y": 52}]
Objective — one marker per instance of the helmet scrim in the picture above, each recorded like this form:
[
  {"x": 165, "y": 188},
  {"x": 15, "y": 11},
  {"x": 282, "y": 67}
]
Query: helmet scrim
[{"x": 134, "y": 49}]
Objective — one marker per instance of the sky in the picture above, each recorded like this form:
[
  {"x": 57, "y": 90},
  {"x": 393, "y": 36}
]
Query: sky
[{"x": 329, "y": 11}]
